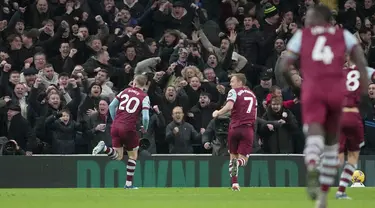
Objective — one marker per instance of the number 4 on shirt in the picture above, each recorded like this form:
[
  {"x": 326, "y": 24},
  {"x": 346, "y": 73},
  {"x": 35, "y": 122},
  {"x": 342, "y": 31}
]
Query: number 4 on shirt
[{"x": 321, "y": 51}]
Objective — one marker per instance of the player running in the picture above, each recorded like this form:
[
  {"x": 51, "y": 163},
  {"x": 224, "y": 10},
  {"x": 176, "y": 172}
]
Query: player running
[
  {"x": 322, "y": 48},
  {"x": 129, "y": 103},
  {"x": 243, "y": 104},
  {"x": 351, "y": 131}
]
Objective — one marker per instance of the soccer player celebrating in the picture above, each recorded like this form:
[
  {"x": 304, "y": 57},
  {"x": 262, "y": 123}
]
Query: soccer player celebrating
[
  {"x": 129, "y": 104},
  {"x": 242, "y": 103},
  {"x": 351, "y": 130},
  {"x": 322, "y": 48}
]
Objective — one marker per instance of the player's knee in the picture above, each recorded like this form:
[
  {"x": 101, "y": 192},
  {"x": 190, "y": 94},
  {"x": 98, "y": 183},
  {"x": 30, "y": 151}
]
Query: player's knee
[
  {"x": 133, "y": 158},
  {"x": 133, "y": 155},
  {"x": 119, "y": 157},
  {"x": 353, "y": 157},
  {"x": 233, "y": 156}
]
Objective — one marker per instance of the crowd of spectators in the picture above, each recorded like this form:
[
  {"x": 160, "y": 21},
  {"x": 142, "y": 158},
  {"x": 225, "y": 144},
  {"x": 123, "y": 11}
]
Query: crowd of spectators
[{"x": 63, "y": 61}]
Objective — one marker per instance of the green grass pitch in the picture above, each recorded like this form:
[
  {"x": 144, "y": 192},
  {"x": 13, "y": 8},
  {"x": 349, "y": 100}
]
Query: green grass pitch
[{"x": 177, "y": 198}]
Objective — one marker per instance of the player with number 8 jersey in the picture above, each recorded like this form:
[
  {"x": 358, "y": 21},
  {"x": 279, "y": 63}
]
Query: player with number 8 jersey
[
  {"x": 351, "y": 130},
  {"x": 243, "y": 104},
  {"x": 351, "y": 125}
]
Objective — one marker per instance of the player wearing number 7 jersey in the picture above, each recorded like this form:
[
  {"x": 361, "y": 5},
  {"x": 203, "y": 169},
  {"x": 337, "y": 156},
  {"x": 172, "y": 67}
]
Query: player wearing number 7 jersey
[
  {"x": 322, "y": 48},
  {"x": 129, "y": 104},
  {"x": 243, "y": 104}
]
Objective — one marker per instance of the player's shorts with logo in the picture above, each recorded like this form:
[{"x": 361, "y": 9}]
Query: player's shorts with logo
[
  {"x": 122, "y": 137},
  {"x": 240, "y": 139},
  {"x": 351, "y": 132}
]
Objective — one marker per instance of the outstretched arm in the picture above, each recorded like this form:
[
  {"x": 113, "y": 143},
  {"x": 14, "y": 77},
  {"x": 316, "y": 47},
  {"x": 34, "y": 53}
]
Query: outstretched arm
[
  {"x": 113, "y": 107},
  {"x": 231, "y": 99},
  {"x": 293, "y": 50},
  {"x": 145, "y": 112}
]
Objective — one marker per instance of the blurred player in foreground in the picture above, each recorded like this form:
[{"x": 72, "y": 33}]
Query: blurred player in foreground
[
  {"x": 351, "y": 131},
  {"x": 242, "y": 103},
  {"x": 322, "y": 48},
  {"x": 129, "y": 104}
]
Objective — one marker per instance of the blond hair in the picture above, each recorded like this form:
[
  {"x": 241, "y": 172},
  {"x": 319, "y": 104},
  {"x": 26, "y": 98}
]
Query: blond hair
[
  {"x": 197, "y": 73},
  {"x": 240, "y": 77},
  {"x": 140, "y": 80}
]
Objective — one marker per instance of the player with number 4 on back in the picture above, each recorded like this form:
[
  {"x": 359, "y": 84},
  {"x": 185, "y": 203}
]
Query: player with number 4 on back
[
  {"x": 322, "y": 49},
  {"x": 243, "y": 104},
  {"x": 129, "y": 104}
]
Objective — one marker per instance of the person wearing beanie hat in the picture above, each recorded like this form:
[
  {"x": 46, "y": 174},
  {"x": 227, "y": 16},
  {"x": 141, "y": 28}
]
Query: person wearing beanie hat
[
  {"x": 178, "y": 10},
  {"x": 271, "y": 11},
  {"x": 271, "y": 19},
  {"x": 14, "y": 107}
]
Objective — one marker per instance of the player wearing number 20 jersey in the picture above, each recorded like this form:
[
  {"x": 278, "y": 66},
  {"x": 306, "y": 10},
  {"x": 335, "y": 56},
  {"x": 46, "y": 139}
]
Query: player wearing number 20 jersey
[
  {"x": 129, "y": 104},
  {"x": 124, "y": 132}
]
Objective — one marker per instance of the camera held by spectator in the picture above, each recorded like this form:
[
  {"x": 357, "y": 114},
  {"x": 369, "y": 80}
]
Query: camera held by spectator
[
  {"x": 216, "y": 134},
  {"x": 10, "y": 147}
]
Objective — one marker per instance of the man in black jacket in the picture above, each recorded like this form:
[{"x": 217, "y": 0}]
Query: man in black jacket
[{"x": 17, "y": 128}]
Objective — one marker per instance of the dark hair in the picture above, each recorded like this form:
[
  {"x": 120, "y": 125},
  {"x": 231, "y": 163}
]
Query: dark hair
[
  {"x": 274, "y": 88},
  {"x": 65, "y": 110},
  {"x": 101, "y": 52},
  {"x": 50, "y": 21},
  {"x": 149, "y": 41},
  {"x": 105, "y": 99},
  {"x": 364, "y": 30},
  {"x": 14, "y": 72},
  {"x": 205, "y": 94},
  {"x": 33, "y": 34},
  {"x": 39, "y": 54},
  {"x": 324, "y": 12},
  {"x": 95, "y": 84},
  {"x": 63, "y": 74},
  {"x": 248, "y": 16},
  {"x": 178, "y": 107},
  {"x": 165, "y": 89},
  {"x": 92, "y": 38},
  {"x": 64, "y": 42},
  {"x": 129, "y": 46},
  {"x": 104, "y": 71},
  {"x": 48, "y": 66},
  {"x": 12, "y": 37}
]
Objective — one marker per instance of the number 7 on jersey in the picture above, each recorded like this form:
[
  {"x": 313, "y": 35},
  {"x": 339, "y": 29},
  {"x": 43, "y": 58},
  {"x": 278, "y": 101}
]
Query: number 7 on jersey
[{"x": 251, "y": 102}]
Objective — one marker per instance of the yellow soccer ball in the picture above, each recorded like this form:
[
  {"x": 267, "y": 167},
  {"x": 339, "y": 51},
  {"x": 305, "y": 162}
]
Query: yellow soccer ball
[{"x": 358, "y": 177}]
